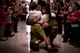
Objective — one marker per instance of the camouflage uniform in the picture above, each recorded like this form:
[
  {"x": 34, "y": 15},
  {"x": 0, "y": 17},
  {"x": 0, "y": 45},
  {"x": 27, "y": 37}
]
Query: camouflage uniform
[
  {"x": 53, "y": 30},
  {"x": 53, "y": 23},
  {"x": 37, "y": 33}
]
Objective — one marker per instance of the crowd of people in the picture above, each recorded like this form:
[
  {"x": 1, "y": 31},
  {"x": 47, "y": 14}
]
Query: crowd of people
[
  {"x": 46, "y": 20},
  {"x": 9, "y": 16}
]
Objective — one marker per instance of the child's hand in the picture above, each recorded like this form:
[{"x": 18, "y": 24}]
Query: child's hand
[{"x": 45, "y": 25}]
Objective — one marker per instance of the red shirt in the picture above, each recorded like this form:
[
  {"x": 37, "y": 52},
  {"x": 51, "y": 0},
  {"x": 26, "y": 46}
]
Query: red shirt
[{"x": 3, "y": 17}]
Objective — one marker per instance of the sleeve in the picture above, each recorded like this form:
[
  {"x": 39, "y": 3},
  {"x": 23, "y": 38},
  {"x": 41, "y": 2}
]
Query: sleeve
[
  {"x": 41, "y": 14},
  {"x": 42, "y": 19},
  {"x": 3, "y": 14}
]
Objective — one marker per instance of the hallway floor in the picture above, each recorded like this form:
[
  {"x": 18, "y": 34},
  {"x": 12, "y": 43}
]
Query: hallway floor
[{"x": 20, "y": 43}]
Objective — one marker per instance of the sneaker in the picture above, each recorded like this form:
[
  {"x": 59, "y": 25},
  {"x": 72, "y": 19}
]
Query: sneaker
[
  {"x": 34, "y": 47},
  {"x": 3, "y": 39},
  {"x": 64, "y": 41},
  {"x": 53, "y": 46},
  {"x": 12, "y": 35},
  {"x": 51, "y": 49},
  {"x": 15, "y": 31}
]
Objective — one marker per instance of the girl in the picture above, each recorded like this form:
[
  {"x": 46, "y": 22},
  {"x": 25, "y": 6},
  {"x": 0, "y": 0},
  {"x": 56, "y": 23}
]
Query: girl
[
  {"x": 74, "y": 18},
  {"x": 49, "y": 24}
]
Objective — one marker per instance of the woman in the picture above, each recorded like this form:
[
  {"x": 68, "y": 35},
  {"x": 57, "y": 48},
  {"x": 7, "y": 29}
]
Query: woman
[
  {"x": 15, "y": 16},
  {"x": 74, "y": 19},
  {"x": 49, "y": 23},
  {"x": 3, "y": 21}
]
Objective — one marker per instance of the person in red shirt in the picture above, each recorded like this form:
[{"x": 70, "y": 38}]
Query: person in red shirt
[{"x": 3, "y": 20}]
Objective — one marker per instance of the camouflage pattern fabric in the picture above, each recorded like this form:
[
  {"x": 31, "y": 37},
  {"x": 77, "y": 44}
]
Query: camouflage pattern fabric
[
  {"x": 53, "y": 23},
  {"x": 37, "y": 33}
]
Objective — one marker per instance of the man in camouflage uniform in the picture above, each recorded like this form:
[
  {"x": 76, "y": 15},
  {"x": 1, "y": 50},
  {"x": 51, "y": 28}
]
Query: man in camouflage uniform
[
  {"x": 53, "y": 30},
  {"x": 38, "y": 35}
]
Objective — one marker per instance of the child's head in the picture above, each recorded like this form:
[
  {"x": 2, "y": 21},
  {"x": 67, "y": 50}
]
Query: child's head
[
  {"x": 46, "y": 9},
  {"x": 38, "y": 7},
  {"x": 75, "y": 6},
  {"x": 53, "y": 6}
]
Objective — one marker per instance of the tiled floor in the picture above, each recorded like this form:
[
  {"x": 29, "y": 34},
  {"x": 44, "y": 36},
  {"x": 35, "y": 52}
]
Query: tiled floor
[{"x": 19, "y": 43}]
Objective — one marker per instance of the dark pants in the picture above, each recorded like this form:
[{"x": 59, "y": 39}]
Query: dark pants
[
  {"x": 67, "y": 29},
  {"x": 2, "y": 29},
  {"x": 8, "y": 30},
  {"x": 59, "y": 20},
  {"x": 23, "y": 18},
  {"x": 15, "y": 25},
  {"x": 49, "y": 32},
  {"x": 75, "y": 34}
]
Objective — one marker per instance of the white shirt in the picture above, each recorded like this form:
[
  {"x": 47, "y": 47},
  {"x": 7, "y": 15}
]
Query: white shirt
[
  {"x": 27, "y": 6},
  {"x": 53, "y": 14},
  {"x": 44, "y": 18},
  {"x": 34, "y": 13}
]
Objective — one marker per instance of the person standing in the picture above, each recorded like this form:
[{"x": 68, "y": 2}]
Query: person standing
[{"x": 3, "y": 20}]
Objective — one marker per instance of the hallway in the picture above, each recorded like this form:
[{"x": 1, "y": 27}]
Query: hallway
[{"x": 19, "y": 43}]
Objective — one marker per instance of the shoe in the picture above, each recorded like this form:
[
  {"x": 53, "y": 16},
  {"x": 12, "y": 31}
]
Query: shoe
[
  {"x": 15, "y": 31},
  {"x": 3, "y": 39},
  {"x": 51, "y": 49},
  {"x": 12, "y": 35},
  {"x": 53, "y": 46},
  {"x": 64, "y": 41},
  {"x": 78, "y": 45},
  {"x": 34, "y": 47}
]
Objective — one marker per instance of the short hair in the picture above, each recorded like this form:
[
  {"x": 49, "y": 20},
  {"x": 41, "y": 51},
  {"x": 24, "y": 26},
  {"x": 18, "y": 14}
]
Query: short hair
[
  {"x": 33, "y": 6},
  {"x": 42, "y": 3}
]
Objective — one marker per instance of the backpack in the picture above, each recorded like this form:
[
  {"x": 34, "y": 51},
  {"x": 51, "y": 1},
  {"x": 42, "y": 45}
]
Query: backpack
[{"x": 74, "y": 17}]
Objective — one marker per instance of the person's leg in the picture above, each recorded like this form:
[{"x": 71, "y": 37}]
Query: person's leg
[
  {"x": 40, "y": 33},
  {"x": 7, "y": 32},
  {"x": 59, "y": 20},
  {"x": 34, "y": 44},
  {"x": 15, "y": 25},
  {"x": 76, "y": 36},
  {"x": 12, "y": 28},
  {"x": 52, "y": 36},
  {"x": 66, "y": 32},
  {"x": 24, "y": 18},
  {"x": 2, "y": 38},
  {"x": 73, "y": 34},
  {"x": 1, "y": 31}
]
